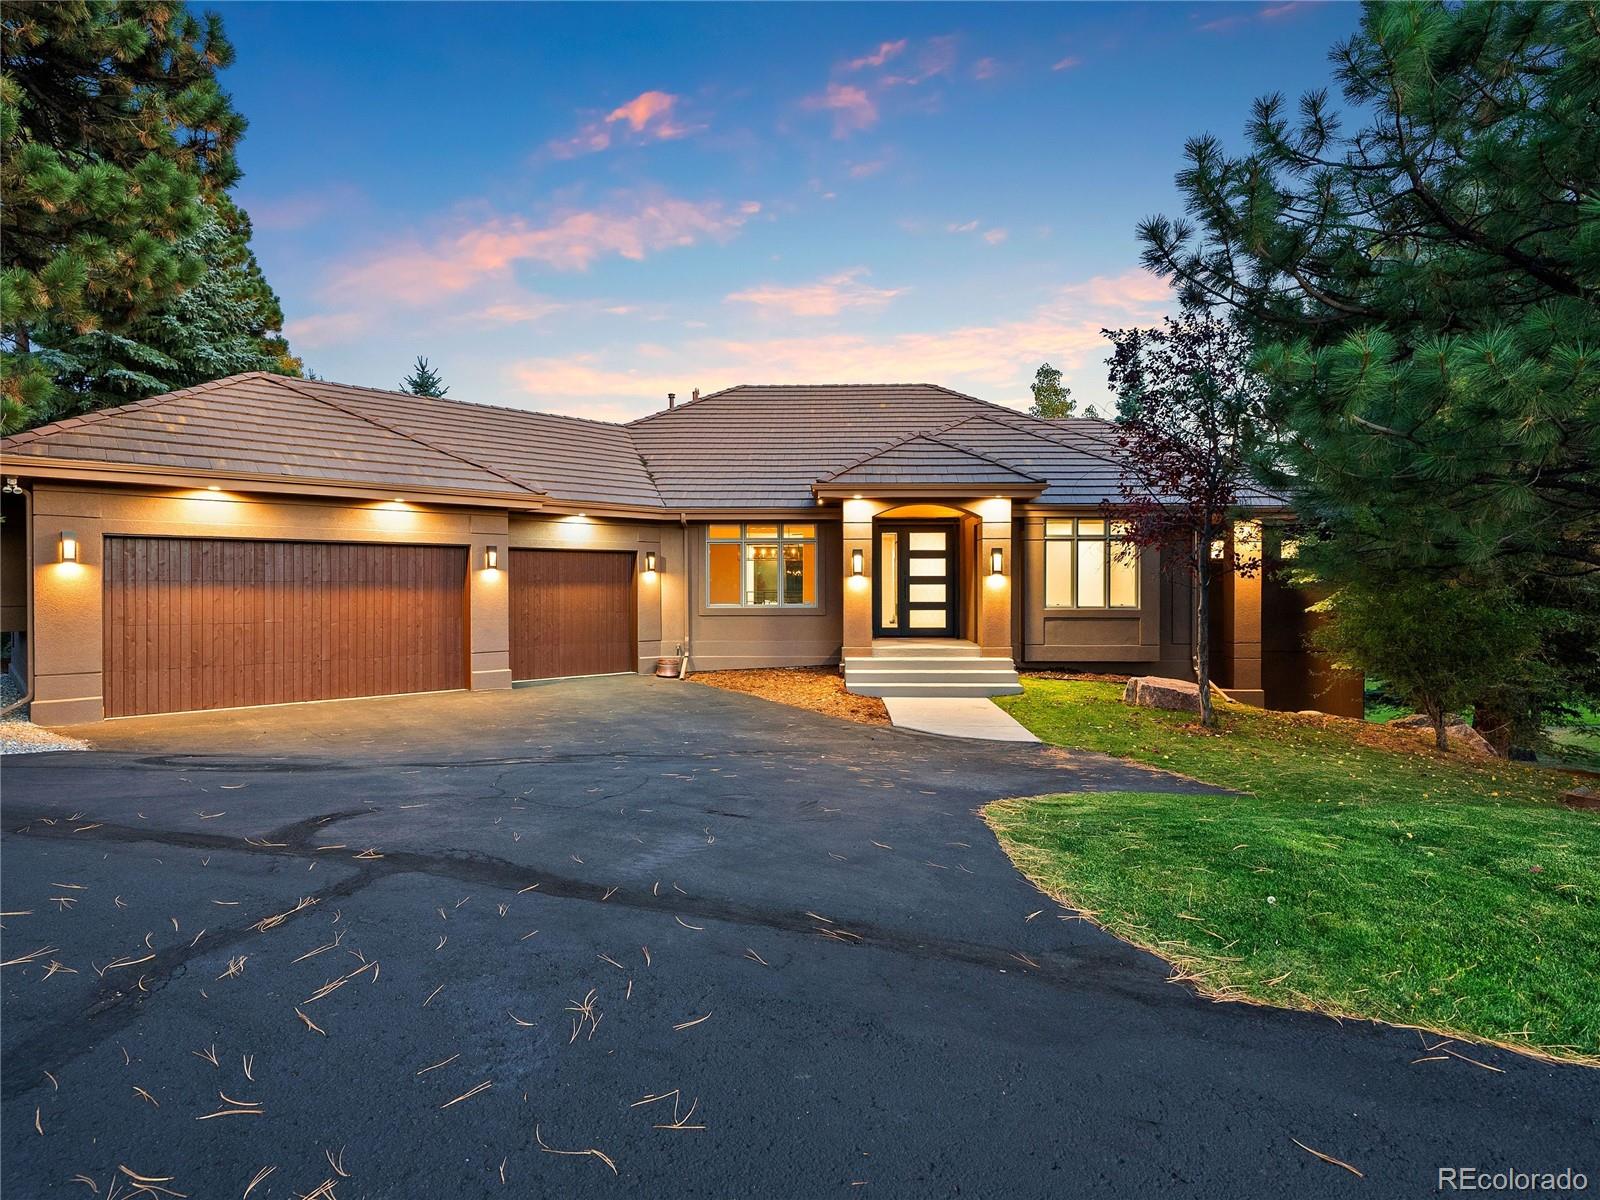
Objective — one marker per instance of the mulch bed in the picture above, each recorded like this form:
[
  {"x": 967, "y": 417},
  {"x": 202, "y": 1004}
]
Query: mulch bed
[{"x": 821, "y": 689}]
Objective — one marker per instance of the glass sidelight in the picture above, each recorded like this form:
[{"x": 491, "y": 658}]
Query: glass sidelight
[{"x": 916, "y": 579}]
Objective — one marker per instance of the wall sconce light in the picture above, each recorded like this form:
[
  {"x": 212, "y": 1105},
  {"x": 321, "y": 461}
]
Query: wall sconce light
[
  {"x": 1218, "y": 548},
  {"x": 857, "y": 561},
  {"x": 69, "y": 546},
  {"x": 650, "y": 561},
  {"x": 491, "y": 558},
  {"x": 997, "y": 561}
]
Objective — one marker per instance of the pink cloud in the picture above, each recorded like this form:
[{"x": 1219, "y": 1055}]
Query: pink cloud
[
  {"x": 937, "y": 58},
  {"x": 862, "y": 170},
  {"x": 1067, "y": 63},
  {"x": 1267, "y": 12},
  {"x": 326, "y": 329},
  {"x": 995, "y": 236},
  {"x": 884, "y": 52},
  {"x": 852, "y": 108},
  {"x": 418, "y": 273},
  {"x": 649, "y": 116},
  {"x": 520, "y": 312},
  {"x": 826, "y": 297},
  {"x": 985, "y": 68},
  {"x": 995, "y": 359}
]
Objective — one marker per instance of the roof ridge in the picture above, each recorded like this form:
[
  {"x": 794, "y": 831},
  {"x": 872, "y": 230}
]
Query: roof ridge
[
  {"x": 411, "y": 437},
  {"x": 94, "y": 416},
  {"x": 1050, "y": 437},
  {"x": 932, "y": 436},
  {"x": 510, "y": 408}
]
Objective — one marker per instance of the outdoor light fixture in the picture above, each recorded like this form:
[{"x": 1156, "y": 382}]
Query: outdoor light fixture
[
  {"x": 997, "y": 561},
  {"x": 649, "y": 562},
  {"x": 857, "y": 561},
  {"x": 491, "y": 558},
  {"x": 69, "y": 546}
]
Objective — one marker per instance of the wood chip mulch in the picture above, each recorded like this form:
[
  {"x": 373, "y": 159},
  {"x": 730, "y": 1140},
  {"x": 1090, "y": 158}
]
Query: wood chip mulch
[{"x": 821, "y": 689}]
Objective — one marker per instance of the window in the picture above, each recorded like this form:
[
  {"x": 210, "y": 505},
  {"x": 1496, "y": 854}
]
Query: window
[
  {"x": 1087, "y": 564},
  {"x": 758, "y": 565}
]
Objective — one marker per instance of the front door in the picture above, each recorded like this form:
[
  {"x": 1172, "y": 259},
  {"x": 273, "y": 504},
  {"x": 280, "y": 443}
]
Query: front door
[{"x": 916, "y": 569}]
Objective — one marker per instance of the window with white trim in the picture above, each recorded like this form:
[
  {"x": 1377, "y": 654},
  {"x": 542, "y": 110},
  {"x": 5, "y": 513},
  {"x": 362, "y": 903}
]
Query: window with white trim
[
  {"x": 1089, "y": 564},
  {"x": 761, "y": 565}
]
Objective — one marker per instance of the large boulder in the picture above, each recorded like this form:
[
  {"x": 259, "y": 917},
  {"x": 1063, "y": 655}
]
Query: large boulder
[
  {"x": 1151, "y": 691},
  {"x": 1458, "y": 733}
]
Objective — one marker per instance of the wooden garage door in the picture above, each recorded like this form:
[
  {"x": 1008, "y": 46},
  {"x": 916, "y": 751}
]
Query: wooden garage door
[
  {"x": 195, "y": 623},
  {"x": 572, "y": 613}
]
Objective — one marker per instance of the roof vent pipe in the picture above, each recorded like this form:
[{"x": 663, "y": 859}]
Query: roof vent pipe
[
  {"x": 694, "y": 395},
  {"x": 672, "y": 399}
]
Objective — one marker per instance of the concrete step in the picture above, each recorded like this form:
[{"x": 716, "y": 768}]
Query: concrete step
[
  {"x": 906, "y": 674},
  {"x": 924, "y": 648},
  {"x": 944, "y": 689},
  {"x": 922, "y": 663}
]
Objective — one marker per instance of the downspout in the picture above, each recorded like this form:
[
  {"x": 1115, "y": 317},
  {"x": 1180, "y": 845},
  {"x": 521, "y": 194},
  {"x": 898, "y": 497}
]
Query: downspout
[
  {"x": 27, "y": 533},
  {"x": 688, "y": 597}
]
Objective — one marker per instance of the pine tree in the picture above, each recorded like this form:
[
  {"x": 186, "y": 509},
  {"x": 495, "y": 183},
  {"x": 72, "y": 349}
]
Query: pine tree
[
  {"x": 1424, "y": 288},
  {"x": 1051, "y": 399},
  {"x": 424, "y": 381},
  {"x": 118, "y": 147}
]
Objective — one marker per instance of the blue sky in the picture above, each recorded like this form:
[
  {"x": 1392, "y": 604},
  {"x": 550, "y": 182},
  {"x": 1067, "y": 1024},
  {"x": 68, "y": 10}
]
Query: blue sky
[{"x": 577, "y": 208}]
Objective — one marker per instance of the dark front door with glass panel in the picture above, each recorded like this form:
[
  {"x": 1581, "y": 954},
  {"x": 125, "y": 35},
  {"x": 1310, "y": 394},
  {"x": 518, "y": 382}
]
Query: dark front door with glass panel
[{"x": 915, "y": 580}]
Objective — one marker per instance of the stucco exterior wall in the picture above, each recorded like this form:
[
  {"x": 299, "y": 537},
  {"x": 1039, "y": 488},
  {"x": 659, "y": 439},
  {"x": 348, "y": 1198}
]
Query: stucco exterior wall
[
  {"x": 730, "y": 638},
  {"x": 1153, "y": 639}
]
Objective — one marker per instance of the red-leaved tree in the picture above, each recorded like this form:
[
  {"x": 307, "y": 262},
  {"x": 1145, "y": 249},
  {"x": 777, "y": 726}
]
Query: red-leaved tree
[{"x": 1190, "y": 417}]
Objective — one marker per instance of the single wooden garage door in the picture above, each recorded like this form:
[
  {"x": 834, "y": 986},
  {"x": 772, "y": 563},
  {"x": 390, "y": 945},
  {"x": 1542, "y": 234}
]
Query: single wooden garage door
[
  {"x": 572, "y": 613},
  {"x": 195, "y": 623}
]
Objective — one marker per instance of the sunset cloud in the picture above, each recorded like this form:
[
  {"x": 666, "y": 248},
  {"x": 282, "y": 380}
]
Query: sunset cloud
[
  {"x": 648, "y": 117},
  {"x": 852, "y": 108},
  {"x": 826, "y": 297},
  {"x": 991, "y": 359},
  {"x": 1067, "y": 63},
  {"x": 884, "y": 52}
]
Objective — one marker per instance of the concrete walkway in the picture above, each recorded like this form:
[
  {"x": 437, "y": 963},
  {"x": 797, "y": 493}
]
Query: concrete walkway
[{"x": 965, "y": 717}]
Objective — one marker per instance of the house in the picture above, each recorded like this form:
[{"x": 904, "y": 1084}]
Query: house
[{"x": 262, "y": 540}]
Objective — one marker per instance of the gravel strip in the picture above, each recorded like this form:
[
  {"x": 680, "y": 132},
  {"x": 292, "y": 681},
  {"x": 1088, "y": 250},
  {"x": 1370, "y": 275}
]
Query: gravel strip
[{"x": 18, "y": 735}]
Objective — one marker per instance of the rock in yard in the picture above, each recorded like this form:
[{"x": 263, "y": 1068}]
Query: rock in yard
[
  {"x": 1151, "y": 691},
  {"x": 1459, "y": 733}
]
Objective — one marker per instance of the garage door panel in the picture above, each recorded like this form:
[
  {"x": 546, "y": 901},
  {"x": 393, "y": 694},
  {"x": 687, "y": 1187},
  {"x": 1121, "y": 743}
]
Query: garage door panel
[
  {"x": 572, "y": 613},
  {"x": 215, "y": 623}
]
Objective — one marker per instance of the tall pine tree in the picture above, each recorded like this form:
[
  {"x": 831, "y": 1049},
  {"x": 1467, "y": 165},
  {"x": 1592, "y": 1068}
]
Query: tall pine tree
[
  {"x": 1425, "y": 290},
  {"x": 118, "y": 150}
]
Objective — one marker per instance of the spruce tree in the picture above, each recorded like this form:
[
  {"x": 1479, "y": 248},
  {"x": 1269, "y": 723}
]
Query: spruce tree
[{"x": 424, "y": 381}]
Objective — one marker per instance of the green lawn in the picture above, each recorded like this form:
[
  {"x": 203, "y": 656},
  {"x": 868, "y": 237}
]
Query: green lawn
[{"x": 1347, "y": 876}]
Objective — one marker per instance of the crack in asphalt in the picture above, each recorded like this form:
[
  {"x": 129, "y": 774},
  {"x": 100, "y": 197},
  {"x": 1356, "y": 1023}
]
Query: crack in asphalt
[{"x": 1066, "y": 970}]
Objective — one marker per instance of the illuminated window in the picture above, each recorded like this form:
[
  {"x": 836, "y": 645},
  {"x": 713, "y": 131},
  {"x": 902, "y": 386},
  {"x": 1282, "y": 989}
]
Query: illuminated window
[
  {"x": 1089, "y": 564},
  {"x": 761, "y": 565}
]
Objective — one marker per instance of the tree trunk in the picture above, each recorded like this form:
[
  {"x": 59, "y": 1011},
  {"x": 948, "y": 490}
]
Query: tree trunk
[
  {"x": 1436, "y": 714},
  {"x": 1202, "y": 634},
  {"x": 1494, "y": 725}
]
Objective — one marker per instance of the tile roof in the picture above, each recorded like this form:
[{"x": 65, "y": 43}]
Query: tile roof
[
  {"x": 923, "y": 458},
  {"x": 742, "y": 448},
  {"x": 255, "y": 425}
]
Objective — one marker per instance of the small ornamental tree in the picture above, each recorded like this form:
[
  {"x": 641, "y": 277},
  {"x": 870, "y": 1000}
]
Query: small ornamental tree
[
  {"x": 424, "y": 381},
  {"x": 1190, "y": 418},
  {"x": 1440, "y": 644},
  {"x": 1051, "y": 398}
]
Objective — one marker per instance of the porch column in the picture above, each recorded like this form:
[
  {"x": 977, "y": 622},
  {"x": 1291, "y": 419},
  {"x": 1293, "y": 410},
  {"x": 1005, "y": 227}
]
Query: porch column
[
  {"x": 994, "y": 591},
  {"x": 1245, "y": 653},
  {"x": 488, "y": 599},
  {"x": 856, "y": 529}
]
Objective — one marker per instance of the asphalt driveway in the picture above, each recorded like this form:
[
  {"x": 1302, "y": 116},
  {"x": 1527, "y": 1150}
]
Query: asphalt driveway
[{"x": 417, "y": 947}]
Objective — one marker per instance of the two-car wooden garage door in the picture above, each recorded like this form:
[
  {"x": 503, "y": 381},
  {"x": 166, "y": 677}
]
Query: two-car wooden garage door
[{"x": 196, "y": 623}]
